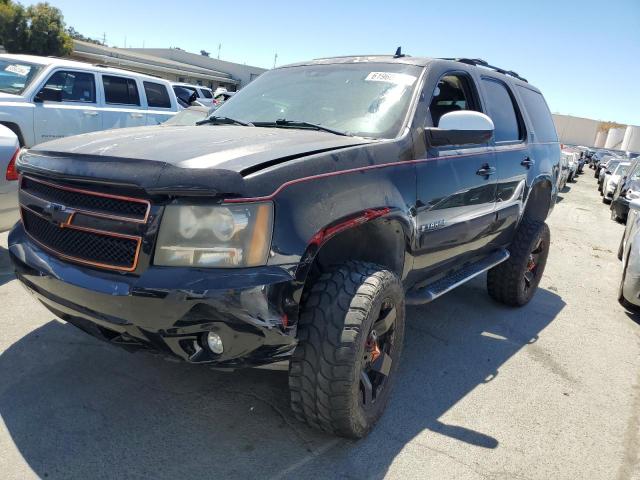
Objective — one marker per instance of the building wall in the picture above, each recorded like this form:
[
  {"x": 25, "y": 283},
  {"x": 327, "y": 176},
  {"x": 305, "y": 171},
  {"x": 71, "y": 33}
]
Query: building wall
[
  {"x": 243, "y": 73},
  {"x": 576, "y": 130}
]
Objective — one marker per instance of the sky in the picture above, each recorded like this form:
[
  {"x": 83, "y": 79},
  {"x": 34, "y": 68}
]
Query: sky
[{"x": 583, "y": 54}]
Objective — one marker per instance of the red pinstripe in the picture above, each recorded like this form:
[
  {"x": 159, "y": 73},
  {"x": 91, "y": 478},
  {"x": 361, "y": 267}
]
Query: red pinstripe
[{"x": 359, "y": 169}]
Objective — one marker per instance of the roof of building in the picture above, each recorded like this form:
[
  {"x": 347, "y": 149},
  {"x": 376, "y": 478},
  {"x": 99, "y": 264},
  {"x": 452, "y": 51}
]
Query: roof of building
[
  {"x": 201, "y": 59},
  {"x": 130, "y": 58}
]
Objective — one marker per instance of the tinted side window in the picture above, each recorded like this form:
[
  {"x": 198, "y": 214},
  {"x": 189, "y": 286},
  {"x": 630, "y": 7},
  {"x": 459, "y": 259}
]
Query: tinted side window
[
  {"x": 452, "y": 93},
  {"x": 157, "y": 95},
  {"x": 538, "y": 111},
  {"x": 64, "y": 86},
  {"x": 120, "y": 91},
  {"x": 206, "y": 93},
  {"x": 502, "y": 111}
]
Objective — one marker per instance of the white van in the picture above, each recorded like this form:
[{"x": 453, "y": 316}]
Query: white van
[{"x": 44, "y": 98}]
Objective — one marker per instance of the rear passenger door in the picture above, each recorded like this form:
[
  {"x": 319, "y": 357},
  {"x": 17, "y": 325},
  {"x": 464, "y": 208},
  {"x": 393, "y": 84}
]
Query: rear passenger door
[
  {"x": 512, "y": 155},
  {"x": 123, "y": 107},
  {"x": 159, "y": 107},
  {"x": 66, "y": 105}
]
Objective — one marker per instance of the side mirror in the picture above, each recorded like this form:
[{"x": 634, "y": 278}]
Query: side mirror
[
  {"x": 607, "y": 172},
  {"x": 48, "y": 94},
  {"x": 461, "y": 127}
]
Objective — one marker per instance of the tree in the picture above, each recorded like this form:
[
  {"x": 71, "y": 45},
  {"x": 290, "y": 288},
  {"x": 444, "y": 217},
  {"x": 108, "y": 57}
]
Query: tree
[
  {"x": 13, "y": 26},
  {"x": 38, "y": 30},
  {"x": 204, "y": 53}
]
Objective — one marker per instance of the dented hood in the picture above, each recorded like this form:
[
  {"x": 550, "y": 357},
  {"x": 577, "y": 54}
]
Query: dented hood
[
  {"x": 226, "y": 147},
  {"x": 195, "y": 160}
]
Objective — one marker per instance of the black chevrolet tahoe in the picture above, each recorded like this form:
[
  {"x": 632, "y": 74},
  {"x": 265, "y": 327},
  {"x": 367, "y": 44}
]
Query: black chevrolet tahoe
[{"x": 291, "y": 228}]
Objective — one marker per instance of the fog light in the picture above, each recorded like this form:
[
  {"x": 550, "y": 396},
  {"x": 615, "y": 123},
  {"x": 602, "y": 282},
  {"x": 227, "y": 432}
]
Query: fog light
[{"x": 215, "y": 343}]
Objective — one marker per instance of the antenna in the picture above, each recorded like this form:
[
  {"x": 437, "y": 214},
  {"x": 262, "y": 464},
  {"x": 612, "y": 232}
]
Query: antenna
[{"x": 399, "y": 53}]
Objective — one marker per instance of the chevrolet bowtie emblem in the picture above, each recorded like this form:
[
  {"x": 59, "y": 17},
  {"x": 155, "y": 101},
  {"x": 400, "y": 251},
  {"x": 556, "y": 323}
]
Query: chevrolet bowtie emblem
[{"x": 58, "y": 214}]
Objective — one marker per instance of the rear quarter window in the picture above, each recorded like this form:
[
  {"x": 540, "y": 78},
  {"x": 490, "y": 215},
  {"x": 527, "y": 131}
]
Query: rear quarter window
[
  {"x": 543, "y": 126},
  {"x": 157, "y": 95},
  {"x": 206, "y": 93}
]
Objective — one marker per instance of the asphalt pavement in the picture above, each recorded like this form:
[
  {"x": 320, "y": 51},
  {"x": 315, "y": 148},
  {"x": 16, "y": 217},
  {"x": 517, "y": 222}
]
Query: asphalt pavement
[{"x": 548, "y": 391}]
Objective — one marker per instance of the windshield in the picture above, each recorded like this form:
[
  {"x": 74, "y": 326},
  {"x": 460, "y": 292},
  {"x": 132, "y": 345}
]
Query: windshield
[
  {"x": 16, "y": 76},
  {"x": 363, "y": 99},
  {"x": 612, "y": 165},
  {"x": 621, "y": 169}
]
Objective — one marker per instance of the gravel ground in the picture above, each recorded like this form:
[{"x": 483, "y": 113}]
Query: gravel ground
[{"x": 549, "y": 391}]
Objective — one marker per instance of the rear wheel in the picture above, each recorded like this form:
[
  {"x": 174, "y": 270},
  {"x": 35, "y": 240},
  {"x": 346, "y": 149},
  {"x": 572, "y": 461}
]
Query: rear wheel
[
  {"x": 515, "y": 281},
  {"x": 350, "y": 336},
  {"x": 623, "y": 301}
]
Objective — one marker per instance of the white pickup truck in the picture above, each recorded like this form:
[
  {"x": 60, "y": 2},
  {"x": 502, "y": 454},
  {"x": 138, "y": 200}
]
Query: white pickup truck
[{"x": 44, "y": 98}]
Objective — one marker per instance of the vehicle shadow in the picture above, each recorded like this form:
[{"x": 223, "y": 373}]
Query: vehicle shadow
[
  {"x": 6, "y": 270},
  {"x": 633, "y": 315},
  {"x": 453, "y": 345},
  {"x": 78, "y": 408}
]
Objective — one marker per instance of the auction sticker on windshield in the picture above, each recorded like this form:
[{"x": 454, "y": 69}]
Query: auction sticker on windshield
[
  {"x": 391, "y": 77},
  {"x": 22, "y": 70}
]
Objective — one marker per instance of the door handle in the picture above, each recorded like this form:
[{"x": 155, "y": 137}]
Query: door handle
[
  {"x": 90, "y": 113},
  {"x": 136, "y": 115},
  {"x": 527, "y": 162},
  {"x": 486, "y": 170}
]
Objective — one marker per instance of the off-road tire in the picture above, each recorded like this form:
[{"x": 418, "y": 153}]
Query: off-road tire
[
  {"x": 506, "y": 282},
  {"x": 337, "y": 313}
]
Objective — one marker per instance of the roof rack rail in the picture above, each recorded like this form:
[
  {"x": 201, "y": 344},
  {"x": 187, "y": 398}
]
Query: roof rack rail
[{"x": 483, "y": 63}]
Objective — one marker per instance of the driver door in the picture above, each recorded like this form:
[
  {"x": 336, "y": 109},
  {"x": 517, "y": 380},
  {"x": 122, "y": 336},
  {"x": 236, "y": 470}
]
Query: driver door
[
  {"x": 66, "y": 105},
  {"x": 456, "y": 187}
]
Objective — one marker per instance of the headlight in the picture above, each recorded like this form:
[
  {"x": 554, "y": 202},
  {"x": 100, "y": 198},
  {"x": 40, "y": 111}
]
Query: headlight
[{"x": 215, "y": 236}]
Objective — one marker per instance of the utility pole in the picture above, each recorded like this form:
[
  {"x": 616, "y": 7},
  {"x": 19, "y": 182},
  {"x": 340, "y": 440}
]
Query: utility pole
[
  {"x": 104, "y": 38},
  {"x": 219, "y": 47},
  {"x": 275, "y": 59},
  {"x": 125, "y": 41}
]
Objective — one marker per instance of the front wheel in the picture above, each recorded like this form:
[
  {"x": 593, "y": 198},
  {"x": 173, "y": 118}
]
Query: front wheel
[
  {"x": 350, "y": 336},
  {"x": 515, "y": 281}
]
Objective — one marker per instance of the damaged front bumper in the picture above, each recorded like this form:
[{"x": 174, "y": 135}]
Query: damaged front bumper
[{"x": 168, "y": 309}]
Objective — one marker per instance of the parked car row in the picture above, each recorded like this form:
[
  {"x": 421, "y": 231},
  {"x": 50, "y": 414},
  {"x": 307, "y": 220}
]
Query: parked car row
[{"x": 618, "y": 180}]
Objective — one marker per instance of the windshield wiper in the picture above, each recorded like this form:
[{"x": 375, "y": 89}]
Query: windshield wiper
[
  {"x": 223, "y": 121},
  {"x": 300, "y": 124}
]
